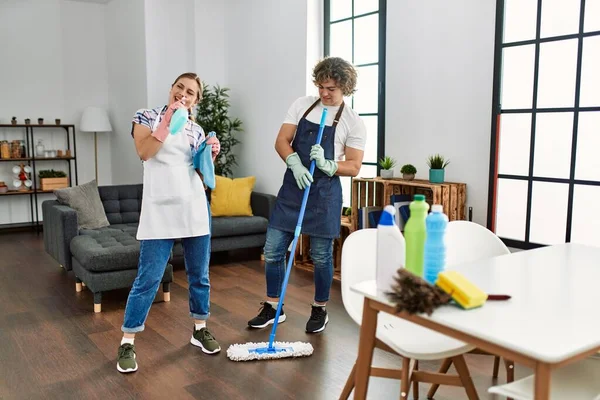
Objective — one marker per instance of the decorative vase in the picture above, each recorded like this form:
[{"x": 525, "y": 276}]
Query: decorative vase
[
  {"x": 387, "y": 173},
  {"x": 436, "y": 175},
  {"x": 408, "y": 177}
]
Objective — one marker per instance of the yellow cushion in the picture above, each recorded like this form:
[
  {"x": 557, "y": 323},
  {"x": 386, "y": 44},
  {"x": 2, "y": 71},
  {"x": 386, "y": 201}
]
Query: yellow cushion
[{"x": 231, "y": 197}]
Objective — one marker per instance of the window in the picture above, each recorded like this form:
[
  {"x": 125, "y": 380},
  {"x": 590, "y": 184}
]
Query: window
[
  {"x": 355, "y": 31},
  {"x": 545, "y": 170}
]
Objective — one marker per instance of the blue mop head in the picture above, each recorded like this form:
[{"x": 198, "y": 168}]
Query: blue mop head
[{"x": 261, "y": 351}]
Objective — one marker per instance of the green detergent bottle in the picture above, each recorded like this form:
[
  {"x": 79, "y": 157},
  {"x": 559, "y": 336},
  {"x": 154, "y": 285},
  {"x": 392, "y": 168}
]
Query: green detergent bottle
[{"x": 415, "y": 232}]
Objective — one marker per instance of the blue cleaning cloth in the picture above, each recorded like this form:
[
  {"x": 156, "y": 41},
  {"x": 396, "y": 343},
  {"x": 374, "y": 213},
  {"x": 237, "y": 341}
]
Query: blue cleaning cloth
[{"x": 203, "y": 161}]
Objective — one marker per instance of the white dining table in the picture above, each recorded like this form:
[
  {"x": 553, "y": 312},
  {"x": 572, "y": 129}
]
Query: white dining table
[{"x": 551, "y": 320}]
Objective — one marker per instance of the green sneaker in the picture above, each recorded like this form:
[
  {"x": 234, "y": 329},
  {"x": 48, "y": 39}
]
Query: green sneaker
[
  {"x": 206, "y": 341},
  {"x": 126, "y": 359}
]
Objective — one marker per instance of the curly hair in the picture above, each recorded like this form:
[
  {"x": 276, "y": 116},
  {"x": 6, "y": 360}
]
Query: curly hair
[{"x": 338, "y": 69}]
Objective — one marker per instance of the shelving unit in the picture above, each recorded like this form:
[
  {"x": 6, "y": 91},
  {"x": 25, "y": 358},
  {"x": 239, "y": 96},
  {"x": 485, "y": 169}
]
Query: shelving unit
[{"x": 32, "y": 160}]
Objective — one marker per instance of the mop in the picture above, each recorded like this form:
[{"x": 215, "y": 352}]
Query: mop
[{"x": 272, "y": 349}]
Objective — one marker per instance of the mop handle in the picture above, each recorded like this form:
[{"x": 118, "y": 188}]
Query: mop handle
[{"x": 296, "y": 235}]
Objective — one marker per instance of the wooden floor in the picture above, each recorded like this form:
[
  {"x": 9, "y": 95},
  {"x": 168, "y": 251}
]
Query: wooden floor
[{"x": 53, "y": 346}]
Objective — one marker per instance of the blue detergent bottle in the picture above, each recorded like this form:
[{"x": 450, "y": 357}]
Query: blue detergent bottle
[
  {"x": 435, "y": 244},
  {"x": 178, "y": 120}
]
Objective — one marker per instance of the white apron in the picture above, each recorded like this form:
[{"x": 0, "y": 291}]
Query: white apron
[{"x": 173, "y": 199}]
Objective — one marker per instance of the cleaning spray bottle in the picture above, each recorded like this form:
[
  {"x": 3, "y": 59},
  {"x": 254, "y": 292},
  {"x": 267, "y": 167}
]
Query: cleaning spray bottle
[
  {"x": 390, "y": 249},
  {"x": 415, "y": 232},
  {"x": 435, "y": 244}
]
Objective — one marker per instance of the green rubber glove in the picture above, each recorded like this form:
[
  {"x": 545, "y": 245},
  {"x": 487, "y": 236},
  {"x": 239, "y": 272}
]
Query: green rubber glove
[
  {"x": 318, "y": 154},
  {"x": 302, "y": 175}
]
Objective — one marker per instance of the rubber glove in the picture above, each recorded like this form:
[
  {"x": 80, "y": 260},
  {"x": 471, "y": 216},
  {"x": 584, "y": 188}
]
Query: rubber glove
[
  {"x": 302, "y": 175},
  {"x": 162, "y": 130},
  {"x": 216, "y": 146},
  {"x": 318, "y": 154}
]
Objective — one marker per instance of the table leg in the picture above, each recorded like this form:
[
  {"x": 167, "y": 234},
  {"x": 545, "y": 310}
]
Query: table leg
[
  {"x": 366, "y": 345},
  {"x": 542, "y": 381}
]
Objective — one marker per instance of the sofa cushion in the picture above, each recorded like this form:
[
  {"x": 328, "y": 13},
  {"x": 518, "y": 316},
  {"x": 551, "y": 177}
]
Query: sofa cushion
[
  {"x": 231, "y": 197},
  {"x": 85, "y": 200},
  {"x": 107, "y": 251},
  {"x": 237, "y": 226},
  {"x": 130, "y": 228},
  {"x": 122, "y": 203}
]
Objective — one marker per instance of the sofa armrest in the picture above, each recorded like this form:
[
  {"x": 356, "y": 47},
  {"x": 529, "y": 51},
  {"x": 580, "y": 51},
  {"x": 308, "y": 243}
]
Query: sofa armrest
[
  {"x": 60, "y": 227},
  {"x": 262, "y": 204}
]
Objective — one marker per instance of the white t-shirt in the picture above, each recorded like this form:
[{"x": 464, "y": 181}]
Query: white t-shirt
[{"x": 350, "y": 131}]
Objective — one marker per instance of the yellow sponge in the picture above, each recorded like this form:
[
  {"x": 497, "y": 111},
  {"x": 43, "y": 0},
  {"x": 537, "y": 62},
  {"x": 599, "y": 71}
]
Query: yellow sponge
[{"x": 462, "y": 291}]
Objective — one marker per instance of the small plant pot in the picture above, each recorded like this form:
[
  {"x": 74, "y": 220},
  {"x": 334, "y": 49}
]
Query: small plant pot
[
  {"x": 387, "y": 173},
  {"x": 436, "y": 175},
  {"x": 40, "y": 121},
  {"x": 408, "y": 177},
  {"x": 13, "y": 121},
  {"x": 27, "y": 121},
  {"x": 57, "y": 121}
]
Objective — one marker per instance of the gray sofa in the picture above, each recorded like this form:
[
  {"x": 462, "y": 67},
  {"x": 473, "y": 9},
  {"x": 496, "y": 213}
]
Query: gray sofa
[{"x": 106, "y": 258}]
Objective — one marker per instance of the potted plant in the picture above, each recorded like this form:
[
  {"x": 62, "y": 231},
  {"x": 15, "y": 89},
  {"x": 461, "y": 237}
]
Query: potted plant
[
  {"x": 13, "y": 120},
  {"x": 51, "y": 179},
  {"x": 57, "y": 121},
  {"x": 41, "y": 121},
  {"x": 387, "y": 164},
  {"x": 408, "y": 172},
  {"x": 437, "y": 164},
  {"x": 212, "y": 116},
  {"x": 27, "y": 121}
]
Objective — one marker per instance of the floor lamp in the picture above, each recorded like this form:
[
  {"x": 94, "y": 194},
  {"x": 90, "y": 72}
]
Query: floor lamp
[{"x": 95, "y": 119}]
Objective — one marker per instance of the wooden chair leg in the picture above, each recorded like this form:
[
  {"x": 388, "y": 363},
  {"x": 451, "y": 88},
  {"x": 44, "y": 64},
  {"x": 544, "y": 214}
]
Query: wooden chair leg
[
  {"x": 349, "y": 384},
  {"x": 415, "y": 385},
  {"x": 465, "y": 377},
  {"x": 98, "y": 302},
  {"x": 78, "y": 284},
  {"x": 166, "y": 291},
  {"x": 510, "y": 372},
  {"x": 405, "y": 382},
  {"x": 496, "y": 367},
  {"x": 443, "y": 369}
]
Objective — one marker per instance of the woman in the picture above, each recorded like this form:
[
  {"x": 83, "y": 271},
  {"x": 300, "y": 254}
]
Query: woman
[
  {"x": 174, "y": 206},
  {"x": 339, "y": 154}
]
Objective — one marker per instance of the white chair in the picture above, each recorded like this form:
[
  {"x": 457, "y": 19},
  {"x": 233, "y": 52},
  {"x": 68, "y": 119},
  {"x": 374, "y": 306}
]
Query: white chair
[
  {"x": 577, "y": 381},
  {"x": 394, "y": 334},
  {"x": 469, "y": 242}
]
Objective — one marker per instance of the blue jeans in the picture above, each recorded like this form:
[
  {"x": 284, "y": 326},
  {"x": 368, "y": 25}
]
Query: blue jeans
[
  {"x": 154, "y": 255},
  {"x": 321, "y": 252}
]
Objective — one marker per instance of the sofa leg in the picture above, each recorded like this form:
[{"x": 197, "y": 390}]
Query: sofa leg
[
  {"x": 78, "y": 284},
  {"x": 98, "y": 302},
  {"x": 166, "y": 291}
]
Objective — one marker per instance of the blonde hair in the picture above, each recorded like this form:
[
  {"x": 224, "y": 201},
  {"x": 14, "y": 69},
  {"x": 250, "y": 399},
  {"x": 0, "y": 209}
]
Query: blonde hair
[{"x": 338, "y": 69}]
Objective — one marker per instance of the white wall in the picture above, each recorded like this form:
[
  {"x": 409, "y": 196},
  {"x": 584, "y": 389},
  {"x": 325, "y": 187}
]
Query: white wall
[
  {"x": 209, "y": 40},
  {"x": 51, "y": 70},
  {"x": 127, "y": 84},
  {"x": 266, "y": 70},
  {"x": 440, "y": 58},
  {"x": 170, "y": 30}
]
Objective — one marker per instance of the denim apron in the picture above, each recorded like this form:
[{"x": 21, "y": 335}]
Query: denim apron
[{"x": 322, "y": 217}]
